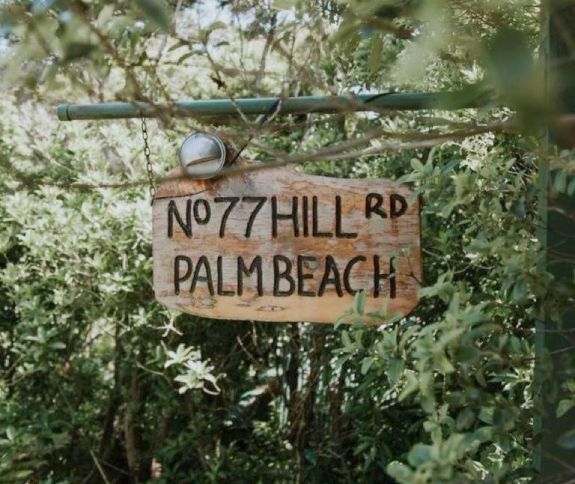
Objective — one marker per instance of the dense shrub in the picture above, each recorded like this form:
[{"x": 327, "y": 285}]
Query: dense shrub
[{"x": 100, "y": 383}]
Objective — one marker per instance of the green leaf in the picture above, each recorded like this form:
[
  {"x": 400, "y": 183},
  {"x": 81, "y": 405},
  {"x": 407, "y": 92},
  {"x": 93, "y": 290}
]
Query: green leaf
[
  {"x": 442, "y": 363},
  {"x": 310, "y": 456},
  {"x": 416, "y": 165},
  {"x": 359, "y": 303},
  {"x": 465, "y": 419},
  {"x": 218, "y": 24},
  {"x": 560, "y": 181},
  {"x": 347, "y": 36},
  {"x": 346, "y": 340},
  {"x": 511, "y": 68},
  {"x": 564, "y": 406},
  {"x": 419, "y": 454},
  {"x": 376, "y": 54},
  {"x": 520, "y": 290},
  {"x": 411, "y": 385},
  {"x": 465, "y": 352},
  {"x": 77, "y": 50},
  {"x": 486, "y": 415},
  {"x": 518, "y": 208},
  {"x": 157, "y": 12},
  {"x": 366, "y": 364},
  {"x": 483, "y": 434},
  {"x": 427, "y": 402},
  {"x": 400, "y": 472},
  {"x": 567, "y": 440},
  {"x": 185, "y": 56},
  {"x": 395, "y": 370},
  {"x": 105, "y": 15}
]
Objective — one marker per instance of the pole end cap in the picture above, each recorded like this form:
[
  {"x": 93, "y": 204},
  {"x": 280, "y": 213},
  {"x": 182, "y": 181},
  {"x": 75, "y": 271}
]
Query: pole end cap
[{"x": 62, "y": 112}]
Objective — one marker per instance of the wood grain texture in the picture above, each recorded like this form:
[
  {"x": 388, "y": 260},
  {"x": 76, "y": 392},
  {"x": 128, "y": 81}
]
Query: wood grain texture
[{"x": 317, "y": 296}]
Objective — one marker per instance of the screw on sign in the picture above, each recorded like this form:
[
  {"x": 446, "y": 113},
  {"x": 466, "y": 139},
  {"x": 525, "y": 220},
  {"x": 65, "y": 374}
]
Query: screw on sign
[{"x": 278, "y": 245}]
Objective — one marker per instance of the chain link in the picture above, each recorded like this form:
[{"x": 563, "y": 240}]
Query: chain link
[{"x": 149, "y": 168}]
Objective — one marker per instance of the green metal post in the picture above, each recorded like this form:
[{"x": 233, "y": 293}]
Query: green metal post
[
  {"x": 555, "y": 342},
  {"x": 294, "y": 105}
]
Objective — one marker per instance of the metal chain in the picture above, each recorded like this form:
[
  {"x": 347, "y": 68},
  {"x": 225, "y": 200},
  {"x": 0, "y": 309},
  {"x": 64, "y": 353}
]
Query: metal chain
[{"x": 149, "y": 168}]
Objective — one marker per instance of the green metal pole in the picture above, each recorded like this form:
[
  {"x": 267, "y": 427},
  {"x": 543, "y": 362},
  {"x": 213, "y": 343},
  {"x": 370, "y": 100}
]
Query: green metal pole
[
  {"x": 555, "y": 342},
  {"x": 471, "y": 97}
]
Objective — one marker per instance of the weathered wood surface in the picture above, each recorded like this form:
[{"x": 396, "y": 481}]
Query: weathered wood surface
[{"x": 350, "y": 231}]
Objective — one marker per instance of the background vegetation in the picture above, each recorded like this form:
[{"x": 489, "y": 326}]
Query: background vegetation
[{"x": 98, "y": 383}]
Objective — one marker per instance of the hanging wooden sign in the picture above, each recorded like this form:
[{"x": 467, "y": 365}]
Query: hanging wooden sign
[{"x": 278, "y": 245}]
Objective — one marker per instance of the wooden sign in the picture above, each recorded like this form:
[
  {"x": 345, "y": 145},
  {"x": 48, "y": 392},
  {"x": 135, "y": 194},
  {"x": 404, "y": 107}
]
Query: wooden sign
[{"x": 277, "y": 245}]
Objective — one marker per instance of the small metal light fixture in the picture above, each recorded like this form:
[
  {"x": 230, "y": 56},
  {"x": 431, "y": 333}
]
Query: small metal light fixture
[{"x": 203, "y": 155}]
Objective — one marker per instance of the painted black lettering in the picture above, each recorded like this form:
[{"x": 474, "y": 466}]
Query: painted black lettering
[
  {"x": 173, "y": 212},
  {"x": 177, "y": 277},
  {"x": 284, "y": 216},
  {"x": 378, "y": 276},
  {"x": 347, "y": 273},
  {"x": 285, "y": 274},
  {"x": 259, "y": 201},
  {"x": 256, "y": 265},
  {"x": 315, "y": 221},
  {"x": 302, "y": 276},
  {"x": 330, "y": 267},
  {"x": 305, "y": 216},
  {"x": 338, "y": 231},
  {"x": 373, "y": 203},
  {"x": 207, "y": 278},
  {"x": 233, "y": 201},
  {"x": 393, "y": 208},
  {"x": 221, "y": 290},
  {"x": 207, "y": 211}
]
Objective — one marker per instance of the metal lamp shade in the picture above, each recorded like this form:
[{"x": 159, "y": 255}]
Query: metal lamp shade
[{"x": 203, "y": 155}]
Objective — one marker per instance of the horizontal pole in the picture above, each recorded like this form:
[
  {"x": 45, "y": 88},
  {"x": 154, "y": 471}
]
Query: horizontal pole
[{"x": 468, "y": 98}]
